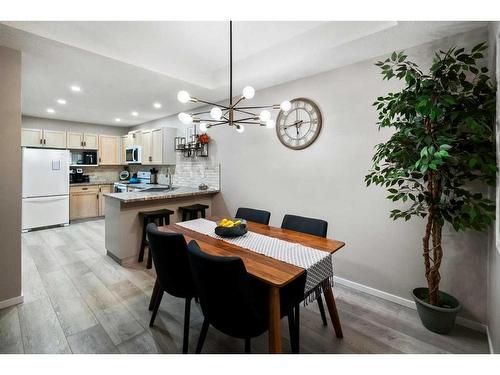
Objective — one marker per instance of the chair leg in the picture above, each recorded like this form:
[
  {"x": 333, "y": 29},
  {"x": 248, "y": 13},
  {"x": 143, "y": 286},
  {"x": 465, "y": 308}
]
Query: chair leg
[
  {"x": 187, "y": 314},
  {"x": 203, "y": 213},
  {"x": 203, "y": 335},
  {"x": 153, "y": 295},
  {"x": 156, "y": 307},
  {"x": 247, "y": 346},
  {"x": 321, "y": 308}
]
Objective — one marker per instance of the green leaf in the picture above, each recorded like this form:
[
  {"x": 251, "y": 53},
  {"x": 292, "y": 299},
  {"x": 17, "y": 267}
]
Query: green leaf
[{"x": 472, "y": 162}]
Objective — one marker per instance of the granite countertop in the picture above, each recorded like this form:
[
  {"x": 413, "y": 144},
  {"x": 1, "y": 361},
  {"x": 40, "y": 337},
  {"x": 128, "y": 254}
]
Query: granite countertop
[
  {"x": 94, "y": 182},
  {"x": 178, "y": 192}
]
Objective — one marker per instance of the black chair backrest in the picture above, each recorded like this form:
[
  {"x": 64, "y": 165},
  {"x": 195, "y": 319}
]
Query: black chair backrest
[
  {"x": 316, "y": 227},
  {"x": 227, "y": 297},
  {"x": 171, "y": 260},
  {"x": 250, "y": 214}
]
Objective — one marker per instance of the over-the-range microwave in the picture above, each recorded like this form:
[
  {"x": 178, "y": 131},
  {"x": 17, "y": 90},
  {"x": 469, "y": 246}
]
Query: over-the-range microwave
[{"x": 133, "y": 154}]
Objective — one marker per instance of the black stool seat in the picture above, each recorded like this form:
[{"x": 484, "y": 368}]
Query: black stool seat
[
  {"x": 159, "y": 217},
  {"x": 191, "y": 212}
]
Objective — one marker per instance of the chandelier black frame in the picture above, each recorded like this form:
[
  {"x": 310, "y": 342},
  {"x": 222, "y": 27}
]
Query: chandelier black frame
[{"x": 227, "y": 114}]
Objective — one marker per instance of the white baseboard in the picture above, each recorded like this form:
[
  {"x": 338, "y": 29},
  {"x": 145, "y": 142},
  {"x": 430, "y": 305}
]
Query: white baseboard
[
  {"x": 11, "y": 302},
  {"x": 404, "y": 302}
]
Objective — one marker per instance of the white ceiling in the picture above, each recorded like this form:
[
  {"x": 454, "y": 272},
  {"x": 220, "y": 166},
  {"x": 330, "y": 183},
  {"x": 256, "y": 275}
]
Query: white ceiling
[{"x": 126, "y": 66}]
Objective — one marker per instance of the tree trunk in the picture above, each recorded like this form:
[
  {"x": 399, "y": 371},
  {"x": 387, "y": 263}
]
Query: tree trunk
[{"x": 433, "y": 231}]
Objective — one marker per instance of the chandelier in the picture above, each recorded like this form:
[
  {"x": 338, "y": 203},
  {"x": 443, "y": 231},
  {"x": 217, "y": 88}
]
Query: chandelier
[{"x": 234, "y": 114}]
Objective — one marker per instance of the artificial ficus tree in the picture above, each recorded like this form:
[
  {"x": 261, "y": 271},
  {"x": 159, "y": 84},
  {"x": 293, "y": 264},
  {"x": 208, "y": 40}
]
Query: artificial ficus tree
[{"x": 443, "y": 143}]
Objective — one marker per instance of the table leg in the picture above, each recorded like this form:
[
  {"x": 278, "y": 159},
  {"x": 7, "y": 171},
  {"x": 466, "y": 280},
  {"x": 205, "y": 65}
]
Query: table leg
[
  {"x": 332, "y": 309},
  {"x": 274, "y": 320}
]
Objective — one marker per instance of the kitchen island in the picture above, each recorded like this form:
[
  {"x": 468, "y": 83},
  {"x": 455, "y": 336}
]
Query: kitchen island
[{"x": 123, "y": 226}]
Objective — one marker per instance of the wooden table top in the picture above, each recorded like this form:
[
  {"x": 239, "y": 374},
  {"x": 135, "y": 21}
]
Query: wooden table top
[{"x": 269, "y": 270}]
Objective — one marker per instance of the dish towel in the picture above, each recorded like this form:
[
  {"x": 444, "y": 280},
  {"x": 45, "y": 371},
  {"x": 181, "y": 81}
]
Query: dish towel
[{"x": 317, "y": 263}]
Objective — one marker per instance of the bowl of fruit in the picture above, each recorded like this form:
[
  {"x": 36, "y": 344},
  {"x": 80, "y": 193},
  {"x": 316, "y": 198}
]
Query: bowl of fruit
[{"x": 231, "y": 228}]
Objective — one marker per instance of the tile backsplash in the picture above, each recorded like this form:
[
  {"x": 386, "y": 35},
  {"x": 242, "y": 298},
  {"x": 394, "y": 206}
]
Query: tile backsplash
[{"x": 187, "y": 172}]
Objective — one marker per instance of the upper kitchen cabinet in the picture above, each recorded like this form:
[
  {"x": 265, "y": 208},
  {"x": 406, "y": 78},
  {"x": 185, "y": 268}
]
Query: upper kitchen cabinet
[
  {"x": 43, "y": 138},
  {"x": 109, "y": 150},
  {"x": 152, "y": 146},
  {"x": 32, "y": 137},
  {"x": 84, "y": 141}
]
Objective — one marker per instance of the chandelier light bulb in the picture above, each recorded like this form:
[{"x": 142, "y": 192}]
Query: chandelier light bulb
[
  {"x": 216, "y": 113},
  {"x": 240, "y": 129},
  {"x": 248, "y": 92},
  {"x": 270, "y": 124},
  {"x": 203, "y": 127},
  {"x": 285, "y": 106},
  {"x": 185, "y": 118},
  {"x": 265, "y": 115},
  {"x": 183, "y": 96}
]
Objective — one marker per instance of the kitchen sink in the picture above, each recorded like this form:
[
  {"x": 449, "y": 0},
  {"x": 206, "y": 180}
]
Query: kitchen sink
[{"x": 156, "y": 190}]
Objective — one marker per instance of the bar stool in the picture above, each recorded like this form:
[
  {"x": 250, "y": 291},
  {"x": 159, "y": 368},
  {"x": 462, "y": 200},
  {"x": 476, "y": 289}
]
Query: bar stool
[
  {"x": 159, "y": 217},
  {"x": 191, "y": 212}
]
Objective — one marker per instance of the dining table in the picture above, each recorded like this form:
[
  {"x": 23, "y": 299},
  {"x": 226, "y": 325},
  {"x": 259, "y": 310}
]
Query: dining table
[{"x": 273, "y": 272}]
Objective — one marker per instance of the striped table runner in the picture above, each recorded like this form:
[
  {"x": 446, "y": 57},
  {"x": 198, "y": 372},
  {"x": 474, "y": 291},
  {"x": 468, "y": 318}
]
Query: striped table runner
[{"x": 318, "y": 264}]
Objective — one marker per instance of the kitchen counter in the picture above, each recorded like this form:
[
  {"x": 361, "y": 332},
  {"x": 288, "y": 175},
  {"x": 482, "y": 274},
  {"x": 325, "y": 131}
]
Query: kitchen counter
[
  {"x": 96, "y": 182},
  {"x": 178, "y": 192},
  {"x": 123, "y": 224}
]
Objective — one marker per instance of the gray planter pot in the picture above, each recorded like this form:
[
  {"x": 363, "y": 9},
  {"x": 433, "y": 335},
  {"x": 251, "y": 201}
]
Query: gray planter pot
[{"x": 438, "y": 319}]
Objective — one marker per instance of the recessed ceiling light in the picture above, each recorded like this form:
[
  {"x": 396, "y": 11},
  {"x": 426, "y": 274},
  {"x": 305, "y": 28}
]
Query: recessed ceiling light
[
  {"x": 134, "y": 113},
  {"x": 118, "y": 119},
  {"x": 157, "y": 105},
  {"x": 76, "y": 88},
  {"x": 61, "y": 101},
  {"x": 51, "y": 110}
]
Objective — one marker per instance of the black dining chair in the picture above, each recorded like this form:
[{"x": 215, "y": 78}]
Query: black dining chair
[
  {"x": 251, "y": 214},
  {"x": 316, "y": 227},
  {"x": 231, "y": 300},
  {"x": 173, "y": 273}
]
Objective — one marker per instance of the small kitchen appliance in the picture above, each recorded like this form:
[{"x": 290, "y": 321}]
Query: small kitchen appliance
[{"x": 133, "y": 154}]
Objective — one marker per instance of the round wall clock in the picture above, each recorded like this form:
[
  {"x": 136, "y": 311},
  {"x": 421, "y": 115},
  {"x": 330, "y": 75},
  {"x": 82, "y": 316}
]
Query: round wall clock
[{"x": 299, "y": 127}]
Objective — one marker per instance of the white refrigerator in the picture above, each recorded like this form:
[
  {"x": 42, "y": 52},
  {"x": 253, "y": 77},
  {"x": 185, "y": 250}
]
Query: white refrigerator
[{"x": 45, "y": 188}]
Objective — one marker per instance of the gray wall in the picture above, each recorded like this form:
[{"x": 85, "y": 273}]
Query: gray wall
[
  {"x": 326, "y": 181},
  {"x": 494, "y": 249},
  {"x": 71, "y": 126},
  {"x": 10, "y": 188}
]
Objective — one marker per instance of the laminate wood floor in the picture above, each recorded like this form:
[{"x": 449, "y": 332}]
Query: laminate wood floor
[{"x": 78, "y": 300}]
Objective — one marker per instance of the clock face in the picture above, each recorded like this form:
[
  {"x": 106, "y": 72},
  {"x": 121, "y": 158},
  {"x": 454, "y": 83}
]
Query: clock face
[{"x": 299, "y": 127}]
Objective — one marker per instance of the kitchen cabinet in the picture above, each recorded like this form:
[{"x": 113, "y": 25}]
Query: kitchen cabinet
[
  {"x": 32, "y": 137},
  {"x": 158, "y": 146},
  {"x": 82, "y": 141},
  {"x": 109, "y": 150},
  {"x": 83, "y": 202},
  {"x": 54, "y": 139},
  {"x": 103, "y": 189},
  {"x": 43, "y": 138},
  {"x": 91, "y": 141},
  {"x": 87, "y": 201}
]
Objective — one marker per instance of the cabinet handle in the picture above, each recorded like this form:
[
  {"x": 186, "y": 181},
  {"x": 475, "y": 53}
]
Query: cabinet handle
[
  {"x": 44, "y": 141},
  {"x": 99, "y": 160},
  {"x": 41, "y": 141},
  {"x": 85, "y": 143},
  {"x": 97, "y": 196},
  {"x": 85, "y": 188}
]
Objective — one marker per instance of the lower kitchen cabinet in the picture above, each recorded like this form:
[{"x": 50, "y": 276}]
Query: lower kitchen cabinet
[
  {"x": 103, "y": 189},
  {"x": 87, "y": 201}
]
